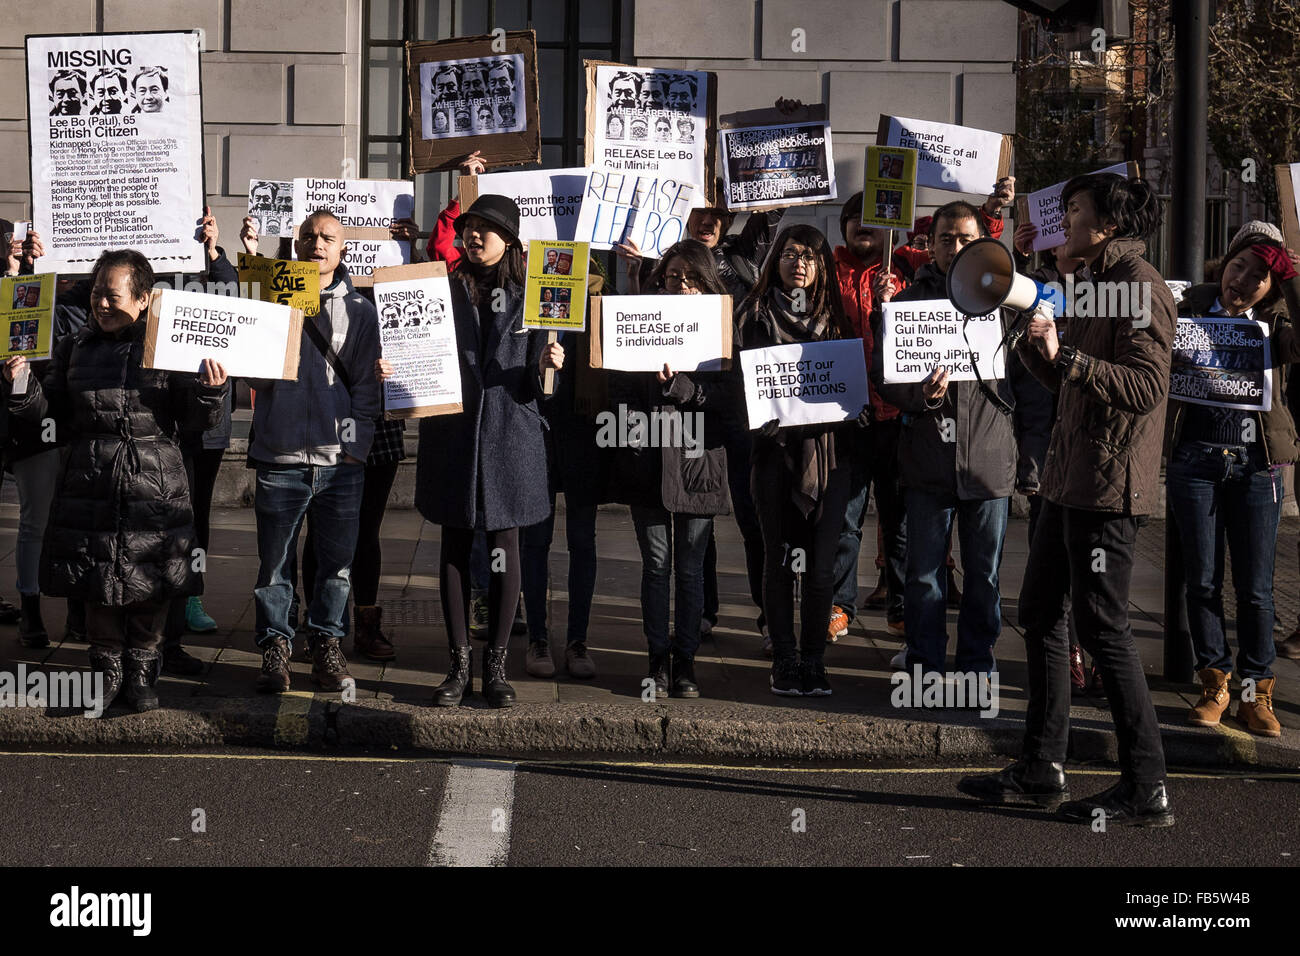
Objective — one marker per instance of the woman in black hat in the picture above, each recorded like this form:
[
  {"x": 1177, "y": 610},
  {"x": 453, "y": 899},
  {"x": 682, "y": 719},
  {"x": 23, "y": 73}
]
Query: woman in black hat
[{"x": 485, "y": 468}]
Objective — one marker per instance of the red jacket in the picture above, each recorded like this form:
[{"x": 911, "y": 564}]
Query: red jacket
[
  {"x": 442, "y": 241},
  {"x": 855, "y": 278}
]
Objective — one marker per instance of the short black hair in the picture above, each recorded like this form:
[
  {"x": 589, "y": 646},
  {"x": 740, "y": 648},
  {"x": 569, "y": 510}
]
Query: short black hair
[
  {"x": 955, "y": 210},
  {"x": 149, "y": 71},
  {"x": 69, "y": 75},
  {"x": 141, "y": 272},
  {"x": 852, "y": 209},
  {"x": 1131, "y": 204}
]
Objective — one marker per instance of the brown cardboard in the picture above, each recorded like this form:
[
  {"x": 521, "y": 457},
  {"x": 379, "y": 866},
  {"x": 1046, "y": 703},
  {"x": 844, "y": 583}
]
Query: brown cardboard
[{"x": 1287, "y": 202}]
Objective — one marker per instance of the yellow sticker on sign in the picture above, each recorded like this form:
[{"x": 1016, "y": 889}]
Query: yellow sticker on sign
[
  {"x": 556, "y": 294},
  {"x": 889, "y": 188},
  {"x": 27, "y": 315},
  {"x": 283, "y": 281}
]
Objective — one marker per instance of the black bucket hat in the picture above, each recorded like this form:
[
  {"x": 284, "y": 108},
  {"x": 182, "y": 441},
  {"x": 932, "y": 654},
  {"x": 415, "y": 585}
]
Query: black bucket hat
[{"x": 501, "y": 211}]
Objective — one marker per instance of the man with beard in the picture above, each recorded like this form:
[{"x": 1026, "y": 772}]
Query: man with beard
[
  {"x": 150, "y": 89},
  {"x": 108, "y": 88},
  {"x": 67, "y": 93}
]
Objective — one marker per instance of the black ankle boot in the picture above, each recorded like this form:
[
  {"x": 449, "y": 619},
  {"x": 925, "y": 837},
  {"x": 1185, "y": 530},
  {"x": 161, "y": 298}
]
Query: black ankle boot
[
  {"x": 460, "y": 679},
  {"x": 140, "y": 674},
  {"x": 683, "y": 674},
  {"x": 31, "y": 629},
  {"x": 1127, "y": 803},
  {"x": 495, "y": 689},
  {"x": 108, "y": 664},
  {"x": 1039, "y": 782}
]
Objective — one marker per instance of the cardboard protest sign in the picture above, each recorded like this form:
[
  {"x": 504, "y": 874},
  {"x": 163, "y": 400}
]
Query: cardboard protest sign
[
  {"x": 658, "y": 122},
  {"x": 282, "y": 281},
  {"x": 918, "y": 337},
  {"x": 805, "y": 384},
  {"x": 27, "y": 315},
  {"x": 640, "y": 333},
  {"x": 364, "y": 256},
  {"x": 1222, "y": 361},
  {"x": 115, "y": 128},
  {"x": 555, "y": 296},
  {"x": 418, "y": 336},
  {"x": 548, "y": 199},
  {"x": 1043, "y": 208},
  {"x": 251, "y": 339},
  {"x": 954, "y": 158},
  {"x": 777, "y": 164},
  {"x": 270, "y": 205},
  {"x": 618, "y": 206},
  {"x": 473, "y": 93},
  {"x": 358, "y": 203},
  {"x": 1288, "y": 197},
  {"x": 889, "y": 187}
]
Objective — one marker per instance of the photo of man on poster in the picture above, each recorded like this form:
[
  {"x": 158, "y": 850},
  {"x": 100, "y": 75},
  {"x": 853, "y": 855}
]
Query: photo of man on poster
[
  {"x": 108, "y": 92},
  {"x": 67, "y": 92},
  {"x": 624, "y": 90},
  {"x": 149, "y": 87},
  {"x": 476, "y": 83},
  {"x": 446, "y": 85},
  {"x": 501, "y": 80}
]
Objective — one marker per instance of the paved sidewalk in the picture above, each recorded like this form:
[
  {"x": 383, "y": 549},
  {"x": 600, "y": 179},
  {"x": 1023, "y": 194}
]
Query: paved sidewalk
[{"x": 737, "y": 718}]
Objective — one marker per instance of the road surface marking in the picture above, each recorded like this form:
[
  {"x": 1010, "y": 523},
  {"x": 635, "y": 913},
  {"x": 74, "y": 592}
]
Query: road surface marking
[{"x": 474, "y": 819}]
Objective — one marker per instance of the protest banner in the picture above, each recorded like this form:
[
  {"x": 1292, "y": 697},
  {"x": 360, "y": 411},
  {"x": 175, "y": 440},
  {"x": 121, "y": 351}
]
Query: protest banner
[
  {"x": 27, "y": 315},
  {"x": 282, "y": 281},
  {"x": 954, "y": 158},
  {"x": 358, "y": 203},
  {"x": 1288, "y": 198},
  {"x": 918, "y": 337},
  {"x": 270, "y": 205},
  {"x": 1223, "y": 361},
  {"x": 251, "y": 339},
  {"x": 661, "y": 123},
  {"x": 805, "y": 383},
  {"x": 473, "y": 93},
  {"x": 650, "y": 210},
  {"x": 555, "y": 296},
  {"x": 1043, "y": 208},
  {"x": 417, "y": 333},
  {"x": 363, "y": 256},
  {"x": 889, "y": 188},
  {"x": 548, "y": 199},
  {"x": 115, "y": 129},
  {"x": 770, "y": 159},
  {"x": 642, "y": 333}
]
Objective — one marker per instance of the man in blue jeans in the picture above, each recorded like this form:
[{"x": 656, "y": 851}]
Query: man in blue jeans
[{"x": 309, "y": 443}]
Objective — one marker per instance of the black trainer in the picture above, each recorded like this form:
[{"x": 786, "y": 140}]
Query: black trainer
[
  {"x": 683, "y": 676},
  {"x": 1127, "y": 804},
  {"x": 659, "y": 674},
  {"x": 812, "y": 676},
  {"x": 785, "y": 679},
  {"x": 1038, "y": 782}
]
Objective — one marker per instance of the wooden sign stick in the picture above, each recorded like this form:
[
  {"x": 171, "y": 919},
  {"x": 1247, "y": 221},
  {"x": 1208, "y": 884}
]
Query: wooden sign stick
[{"x": 548, "y": 376}]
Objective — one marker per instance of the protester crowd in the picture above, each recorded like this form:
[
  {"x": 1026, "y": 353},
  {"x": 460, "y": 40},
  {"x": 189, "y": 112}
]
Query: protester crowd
[{"x": 114, "y": 500}]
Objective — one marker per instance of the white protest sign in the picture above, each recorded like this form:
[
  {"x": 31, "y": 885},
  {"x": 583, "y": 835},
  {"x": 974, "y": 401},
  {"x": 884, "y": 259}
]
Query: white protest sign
[
  {"x": 1044, "y": 207},
  {"x": 918, "y": 337},
  {"x": 116, "y": 134},
  {"x": 418, "y": 336},
  {"x": 955, "y": 158},
  {"x": 805, "y": 384},
  {"x": 364, "y": 256},
  {"x": 252, "y": 339},
  {"x": 618, "y": 206},
  {"x": 548, "y": 199},
  {"x": 642, "y": 333},
  {"x": 358, "y": 203}
]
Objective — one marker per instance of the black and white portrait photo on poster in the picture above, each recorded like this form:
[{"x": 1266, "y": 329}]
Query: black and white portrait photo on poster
[
  {"x": 472, "y": 97},
  {"x": 270, "y": 205},
  {"x": 116, "y": 139}
]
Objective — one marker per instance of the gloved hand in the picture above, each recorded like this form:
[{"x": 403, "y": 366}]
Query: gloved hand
[
  {"x": 1279, "y": 263},
  {"x": 865, "y": 417},
  {"x": 770, "y": 429}
]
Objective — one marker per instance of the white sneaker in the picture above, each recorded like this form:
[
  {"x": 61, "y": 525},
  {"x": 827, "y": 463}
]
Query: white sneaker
[{"x": 899, "y": 661}]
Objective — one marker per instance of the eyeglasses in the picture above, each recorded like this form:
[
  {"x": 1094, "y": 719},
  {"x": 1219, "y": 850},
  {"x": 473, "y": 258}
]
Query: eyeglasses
[
  {"x": 806, "y": 258},
  {"x": 678, "y": 278}
]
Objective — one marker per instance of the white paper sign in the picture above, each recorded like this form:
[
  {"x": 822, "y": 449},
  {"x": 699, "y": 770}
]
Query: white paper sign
[
  {"x": 652, "y": 121},
  {"x": 248, "y": 337},
  {"x": 116, "y": 132},
  {"x": 548, "y": 200},
  {"x": 358, "y": 203},
  {"x": 418, "y": 336},
  {"x": 1045, "y": 210},
  {"x": 364, "y": 256},
  {"x": 640, "y": 333},
  {"x": 918, "y": 337},
  {"x": 956, "y": 158},
  {"x": 805, "y": 384},
  {"x": 649, "y": 210}
]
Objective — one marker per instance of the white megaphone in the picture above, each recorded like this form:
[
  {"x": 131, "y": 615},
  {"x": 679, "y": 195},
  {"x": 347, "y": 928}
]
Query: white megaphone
[{"x": 983, "y": 277}]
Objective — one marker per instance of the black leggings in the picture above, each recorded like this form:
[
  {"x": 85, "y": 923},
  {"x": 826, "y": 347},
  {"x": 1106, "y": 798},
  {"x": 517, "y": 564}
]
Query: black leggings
[
  {"x": 207, "y": 463},
  {"x": 367, "y": 559},
  {"x": 503, "y": 583}
]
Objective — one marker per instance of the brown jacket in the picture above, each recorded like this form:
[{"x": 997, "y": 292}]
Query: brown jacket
[{"x": 1105, "y": 449}]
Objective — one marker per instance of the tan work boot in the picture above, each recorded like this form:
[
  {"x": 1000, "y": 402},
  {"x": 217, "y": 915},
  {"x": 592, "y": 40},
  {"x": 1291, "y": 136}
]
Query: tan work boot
[
  {"x": 1214, "y": 698},
  {"x": 1258, "y": 716}
]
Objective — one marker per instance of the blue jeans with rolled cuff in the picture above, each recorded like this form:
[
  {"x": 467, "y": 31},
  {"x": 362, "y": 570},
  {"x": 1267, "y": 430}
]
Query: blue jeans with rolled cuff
[{"x": 672, "y": 545}]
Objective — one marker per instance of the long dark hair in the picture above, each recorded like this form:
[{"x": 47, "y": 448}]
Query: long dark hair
[
  {"x": 698, "y": 258},
  {"x": 824, "y": 296},
  {"x": 1131, "y": 204},
  {"x": 510, "y": 268}
]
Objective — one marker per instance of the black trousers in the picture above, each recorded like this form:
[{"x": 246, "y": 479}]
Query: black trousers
[
  {"x": 201, "y": 472},
  {"x": 1087, "y": 554}
]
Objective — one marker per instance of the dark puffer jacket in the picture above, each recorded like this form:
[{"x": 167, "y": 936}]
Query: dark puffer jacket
[{"x": 121, "y": 529}]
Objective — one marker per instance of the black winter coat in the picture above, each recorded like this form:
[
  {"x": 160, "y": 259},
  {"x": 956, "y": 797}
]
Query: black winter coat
[{"x": 121, "y": 529}]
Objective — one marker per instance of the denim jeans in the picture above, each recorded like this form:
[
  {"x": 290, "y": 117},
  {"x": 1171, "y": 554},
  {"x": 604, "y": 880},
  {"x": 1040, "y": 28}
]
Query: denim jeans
[
  {"x": 672, "y": 545},
  {"x": 981, "y": 528},
  {"x": 332, "y": 494},
  {"x": 580, "y": 534},
  {"x": 36, "y": 477},
  {"x": 875, "y": 463},
  {"x": 739, "y": 447},
  {"x": 1227, "y": 494}
]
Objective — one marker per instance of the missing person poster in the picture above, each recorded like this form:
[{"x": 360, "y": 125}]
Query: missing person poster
[
  {"x": 954, "y": 158},
  {"x": 1222, "y": 361},
  {"x": 548, "y": 199},
  {"x": 657, "y": 122},
  {"x": 889, "y": 187},
  {"x": 555, "y": 296},
  {"x": 918, "y": 337},
  {"x": 473, "y": 93},
  {"x": 116, "y": 135},
  {"x": 282, "y": 281},
  {"x": 805, "y": 384},
  {"x": 270, "y": 206},
  {"x": 1043, "y": 208},
  {"x": 645, "y": 208},
  {"x": 364, "y": 256},
  {"x": 418, "y": 336},
  {"x": 642, "y": 333},
  {"x": 251, "y": 339},
  {"x": 358, "y": 203},
  {"x": 785, "y": 165},
  {"x": 26, "y": 315}
]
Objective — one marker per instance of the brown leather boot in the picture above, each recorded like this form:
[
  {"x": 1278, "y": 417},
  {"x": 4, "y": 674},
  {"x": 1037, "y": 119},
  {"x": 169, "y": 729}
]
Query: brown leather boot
[
  {"x": 1258, "y": 716},
  {"x": 368, "y": 638},
  {"x": 1290, "y": 648},
  {"x": 1215, "y": 699}
]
